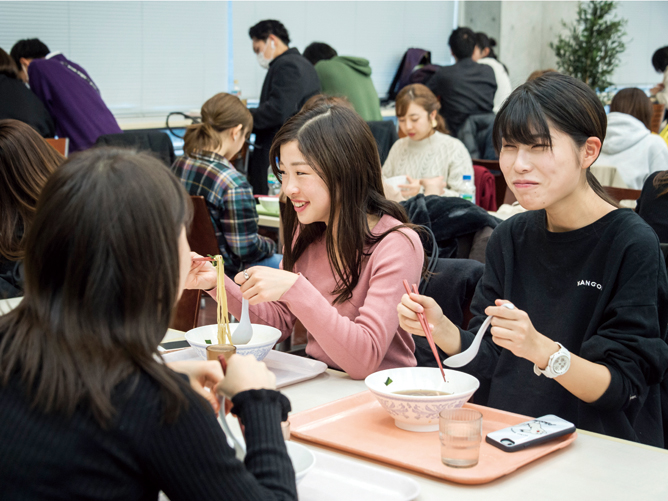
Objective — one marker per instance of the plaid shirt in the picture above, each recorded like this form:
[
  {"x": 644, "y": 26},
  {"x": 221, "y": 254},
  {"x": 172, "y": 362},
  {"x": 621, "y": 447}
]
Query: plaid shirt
[{"x": 230, "y": 200}]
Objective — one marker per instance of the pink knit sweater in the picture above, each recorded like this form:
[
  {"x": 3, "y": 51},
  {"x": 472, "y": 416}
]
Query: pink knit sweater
[{"x": 362, "y": 335}]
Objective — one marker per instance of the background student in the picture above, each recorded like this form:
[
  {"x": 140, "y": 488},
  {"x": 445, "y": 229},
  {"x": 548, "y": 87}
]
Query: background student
[
  {"x": 18, "y": 102},
  {"x": 484, "y": 54},
  {"x": 205, "y": 170},
  {"x": 465, "y": 88},
  {"x": 26, "y": 162},
  {"x": 587, "y": 337},
  {"x": 432, "y": 160},
  {"x": 290, "y": 81},
  {"x": 629, "y": 145},
  {"x": 660, "y": 63},
  {"x": 347, "y": 248},
  {"x": 67, "y": 91},
  {"x": 87, "y": 408},
  {"x": 653, "y": 204},
  {"x": 345, "y": 76}
]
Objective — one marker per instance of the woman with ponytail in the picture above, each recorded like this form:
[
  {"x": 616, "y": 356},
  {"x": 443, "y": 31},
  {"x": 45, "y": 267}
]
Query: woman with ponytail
[
  {"x": 432, "y": 161},
  {"x": 205, "y": 170},
  {"x": 586, "y": 338}
]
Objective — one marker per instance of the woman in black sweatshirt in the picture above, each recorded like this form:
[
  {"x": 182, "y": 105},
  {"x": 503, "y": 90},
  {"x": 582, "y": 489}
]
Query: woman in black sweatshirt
[
  {"x": 587, "y": 337},
  {"x": 87, "y": 408}
]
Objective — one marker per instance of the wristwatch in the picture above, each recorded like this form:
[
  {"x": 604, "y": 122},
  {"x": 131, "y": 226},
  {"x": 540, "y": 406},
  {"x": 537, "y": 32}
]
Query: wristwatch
[{"x": 557, "y": 365}]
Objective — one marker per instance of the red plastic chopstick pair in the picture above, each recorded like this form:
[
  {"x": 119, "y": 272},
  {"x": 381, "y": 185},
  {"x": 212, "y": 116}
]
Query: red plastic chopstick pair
[{"x": 425, "y": 328}]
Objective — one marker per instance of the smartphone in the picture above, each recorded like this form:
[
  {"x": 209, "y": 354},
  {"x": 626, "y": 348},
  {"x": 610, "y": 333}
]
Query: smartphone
[{"x": 523, "y": 435}]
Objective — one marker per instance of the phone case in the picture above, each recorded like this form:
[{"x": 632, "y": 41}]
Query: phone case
[{"x": 536, "y": 431}]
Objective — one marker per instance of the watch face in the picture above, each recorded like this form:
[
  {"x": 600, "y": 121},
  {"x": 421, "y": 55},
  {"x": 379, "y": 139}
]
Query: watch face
[{"x": 561, "y": 364}]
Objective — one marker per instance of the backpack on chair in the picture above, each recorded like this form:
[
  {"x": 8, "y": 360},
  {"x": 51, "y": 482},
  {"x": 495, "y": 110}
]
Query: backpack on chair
[{"x": 412, "y": 59}]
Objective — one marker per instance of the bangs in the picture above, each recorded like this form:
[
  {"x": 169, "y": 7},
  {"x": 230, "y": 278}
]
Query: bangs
[{"x": 521, "y": 120}]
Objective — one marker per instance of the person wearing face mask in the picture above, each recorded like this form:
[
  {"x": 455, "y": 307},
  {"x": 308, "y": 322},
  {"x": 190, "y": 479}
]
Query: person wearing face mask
[
  {"x": 68, "y": 92},
  {"x": 290, "y": 81},
  {"x": 432, "y": 161}
]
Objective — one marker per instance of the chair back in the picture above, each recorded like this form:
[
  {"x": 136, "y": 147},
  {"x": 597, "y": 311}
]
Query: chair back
[
  {"x": 620, "y": 194},
  {"x": 503, "y": 194},
  {"x": 485, "y": 188},
  {"x": 202, "y": 239},
  {"x": 61, "y": 145},
  {"x": 385, "y": 134},
  {"x": 658, "y": 111},
  {"x": 153, "y": 141}
]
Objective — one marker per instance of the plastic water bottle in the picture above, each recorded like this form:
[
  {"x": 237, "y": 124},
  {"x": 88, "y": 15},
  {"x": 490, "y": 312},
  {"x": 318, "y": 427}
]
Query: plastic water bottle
[
  {"x": 468, "y": 192},
  {"x": 274, "y": 184},
  {"x": 236, "y": 91}
]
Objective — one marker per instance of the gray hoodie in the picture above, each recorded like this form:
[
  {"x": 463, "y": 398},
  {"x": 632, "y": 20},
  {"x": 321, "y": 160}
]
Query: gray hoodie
[{"x": 632, "y": 149}]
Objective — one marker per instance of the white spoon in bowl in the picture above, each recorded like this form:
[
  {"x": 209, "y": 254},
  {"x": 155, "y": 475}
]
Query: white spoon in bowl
[
  {"x": 463, "y": 358},
  {"x": 244, "y": 331}
]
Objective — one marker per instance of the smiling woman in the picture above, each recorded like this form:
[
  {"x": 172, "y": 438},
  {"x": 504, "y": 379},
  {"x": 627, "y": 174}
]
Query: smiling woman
[
  {"x": 587, "y": 337},
  {"x": 348, "y": 248}
]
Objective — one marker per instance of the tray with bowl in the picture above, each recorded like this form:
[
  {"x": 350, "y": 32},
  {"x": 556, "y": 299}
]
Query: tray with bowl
[
  {"x": 359, "y": 424},
  {"x": 263, "y": 340}
]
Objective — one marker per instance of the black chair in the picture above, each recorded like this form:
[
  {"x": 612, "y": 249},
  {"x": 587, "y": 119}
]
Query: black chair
[
  {"x": 452, "y": 285},
  {"x": 385, "y": 134},
  {"x": 156, "y": 142}
]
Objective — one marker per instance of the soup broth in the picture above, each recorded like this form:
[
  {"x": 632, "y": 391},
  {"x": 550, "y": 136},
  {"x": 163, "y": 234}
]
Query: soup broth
[{"x": 422, "y": 393}]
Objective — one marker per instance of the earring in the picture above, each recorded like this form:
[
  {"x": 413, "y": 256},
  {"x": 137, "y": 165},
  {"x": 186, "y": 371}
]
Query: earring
[{"x": 434, "y": 123}]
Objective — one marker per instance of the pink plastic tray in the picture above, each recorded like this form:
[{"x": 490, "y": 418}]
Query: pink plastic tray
[{"x": 359, "y": 425}]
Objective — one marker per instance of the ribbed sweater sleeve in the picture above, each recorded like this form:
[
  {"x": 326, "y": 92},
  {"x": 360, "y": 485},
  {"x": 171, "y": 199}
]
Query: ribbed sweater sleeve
[{"x": 192, "y": 460}]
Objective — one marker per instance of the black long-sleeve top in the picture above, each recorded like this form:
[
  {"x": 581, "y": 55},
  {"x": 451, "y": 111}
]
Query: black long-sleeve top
[
  {"x": 53, "y": 457},
  {"x": 602, "y": 292},
  {"x": 18, "y": 102},
  {"x": 653, "y": 207}
]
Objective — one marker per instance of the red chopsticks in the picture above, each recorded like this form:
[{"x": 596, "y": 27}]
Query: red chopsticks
[{"x": 426, "y": 329}]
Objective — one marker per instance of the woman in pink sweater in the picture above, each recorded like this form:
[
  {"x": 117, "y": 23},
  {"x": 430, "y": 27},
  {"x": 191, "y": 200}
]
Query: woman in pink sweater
[{"x": 351, "y": 248}]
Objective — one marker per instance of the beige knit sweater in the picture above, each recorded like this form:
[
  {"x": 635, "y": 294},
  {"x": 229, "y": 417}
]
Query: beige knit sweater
[{"x": 437, "y": 155}]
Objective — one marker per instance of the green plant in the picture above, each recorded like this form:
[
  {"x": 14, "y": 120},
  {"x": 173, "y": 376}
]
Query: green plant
[{"x": 591, "y": 49}]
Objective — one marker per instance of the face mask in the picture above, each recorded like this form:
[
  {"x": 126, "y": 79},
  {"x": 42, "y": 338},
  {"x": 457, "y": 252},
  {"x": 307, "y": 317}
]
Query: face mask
[{"x": 263, "y": 61}]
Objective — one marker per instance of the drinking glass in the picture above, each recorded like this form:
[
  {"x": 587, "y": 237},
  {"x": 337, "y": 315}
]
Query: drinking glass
[
  {"x": 226, "y": 350},
  {"x": 460, "y": 431}
]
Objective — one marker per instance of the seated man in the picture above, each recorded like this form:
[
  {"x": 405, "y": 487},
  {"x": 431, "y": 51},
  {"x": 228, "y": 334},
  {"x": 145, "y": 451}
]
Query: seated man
[
  {"x": 67, "y": 91},
  {"x": 290, "y": 81},
  {"x": 345, "y": 76},
  {"x": 465, "y": 88}
]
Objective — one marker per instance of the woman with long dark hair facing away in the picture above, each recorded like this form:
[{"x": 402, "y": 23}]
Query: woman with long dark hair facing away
[
  {"x": 88, "y": 410},
  {"x": 26, "y": 162},
  {"x": 586, "y": 339},
  {"x": 347, "y": 248}
]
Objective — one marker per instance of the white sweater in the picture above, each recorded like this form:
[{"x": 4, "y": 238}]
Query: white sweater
[
  {"x": 503, "y": 85},
  {"x": 632, "y": 149},
  {"x": 437, "y": 155}
]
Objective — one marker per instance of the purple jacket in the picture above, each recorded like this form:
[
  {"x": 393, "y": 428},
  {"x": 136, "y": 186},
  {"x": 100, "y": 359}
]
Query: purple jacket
[{"x": 73, "y": 100}]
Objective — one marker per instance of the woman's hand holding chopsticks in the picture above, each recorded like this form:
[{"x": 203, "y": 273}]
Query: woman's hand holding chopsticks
[
  {"x": 445, "y": 333},
  {"x": 202, "y": 274}
]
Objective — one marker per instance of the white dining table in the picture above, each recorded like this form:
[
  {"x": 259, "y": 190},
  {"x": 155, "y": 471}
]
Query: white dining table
[{"x": 593, "y": 467}]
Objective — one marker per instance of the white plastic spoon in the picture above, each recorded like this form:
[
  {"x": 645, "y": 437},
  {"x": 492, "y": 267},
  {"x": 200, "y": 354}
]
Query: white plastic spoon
[
  {"x": 463, "y": 358},
  {"x": 244, "y": 331},
  {"x": 238, "y": 445}
]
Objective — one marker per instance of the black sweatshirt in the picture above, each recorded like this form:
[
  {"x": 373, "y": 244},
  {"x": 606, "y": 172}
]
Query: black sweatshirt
[
  {"x": 602, "y": 292},
  {"x": 53, "y": 457},
  {"x": 653, "y": 207}
]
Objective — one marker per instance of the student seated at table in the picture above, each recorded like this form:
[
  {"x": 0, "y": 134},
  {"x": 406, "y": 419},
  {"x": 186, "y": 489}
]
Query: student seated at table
[
  {"x": 660, "y": 63},
  {"x": 345, "y": 76},
  {"x": 17, "y": 101},
  {"x": 629, "y": 144},
  {"x": 653, "y": 204},
  {"x": 484, "y": 54},
  {"x": 347, "y": 248},
  {"x": 587, "y": 337},
  {"x": 26, "y": 162},
  {"x": 87, "y": 408},
  {"x": 205, "y": 170},
  {"x": 432, "y": 161}
]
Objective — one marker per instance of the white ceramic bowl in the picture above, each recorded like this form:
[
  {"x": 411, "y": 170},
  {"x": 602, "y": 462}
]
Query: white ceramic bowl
[
  {"x": 413, "y": 413},
  {"x": 263, "y": 340},
  {"x": 396, "y": 180},
  {"x": 270, "y": 204},
  {"x": 303, "y": 460}
]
